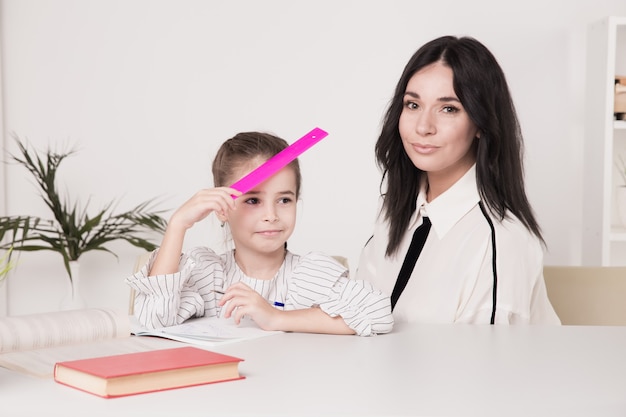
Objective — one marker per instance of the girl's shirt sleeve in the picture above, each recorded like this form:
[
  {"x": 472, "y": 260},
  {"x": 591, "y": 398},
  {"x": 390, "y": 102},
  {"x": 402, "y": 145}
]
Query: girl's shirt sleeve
[
  {"x": 169, "y": 299},
  {"x": 319, "y": 280}
]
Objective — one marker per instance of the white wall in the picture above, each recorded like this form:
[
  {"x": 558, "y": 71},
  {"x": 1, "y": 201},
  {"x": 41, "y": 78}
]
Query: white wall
[
  {"x": 149, "y": 88},
  {"x": 4, "y": 308}
]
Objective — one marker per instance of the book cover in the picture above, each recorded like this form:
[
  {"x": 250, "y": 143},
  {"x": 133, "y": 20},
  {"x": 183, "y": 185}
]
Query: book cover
[{"x": 142, "y": 372}]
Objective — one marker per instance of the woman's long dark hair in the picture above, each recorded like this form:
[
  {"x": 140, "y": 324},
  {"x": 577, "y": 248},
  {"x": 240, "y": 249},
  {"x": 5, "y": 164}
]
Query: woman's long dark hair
[{"x": 481, "y": 86}]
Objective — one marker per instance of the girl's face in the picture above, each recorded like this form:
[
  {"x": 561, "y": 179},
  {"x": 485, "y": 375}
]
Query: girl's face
[
  {"x": 436, "y": 132},
  {"x": 265, "y": 216}
]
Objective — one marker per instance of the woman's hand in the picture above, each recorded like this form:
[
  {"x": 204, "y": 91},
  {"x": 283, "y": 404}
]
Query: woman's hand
[{"x": 240, "y": 300}]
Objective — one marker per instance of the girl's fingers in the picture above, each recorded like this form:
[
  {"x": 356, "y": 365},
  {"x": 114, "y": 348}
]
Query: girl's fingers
[
  {"x": 231, "y": 191},
  {"x": 236, "y": 310},
  {"x": 206, "y": 201},
  {"x": 238, "y": 314},
  {"x": 236, "y": 299}
]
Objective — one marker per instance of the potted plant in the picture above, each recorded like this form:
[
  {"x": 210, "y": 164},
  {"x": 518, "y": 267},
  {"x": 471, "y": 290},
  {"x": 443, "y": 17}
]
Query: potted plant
[
  {"x": 6, "y": 264},
  {"x": 72, "y": 231}
]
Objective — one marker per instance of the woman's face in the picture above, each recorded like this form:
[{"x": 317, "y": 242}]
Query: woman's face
[{"x": 436, "y": 132}]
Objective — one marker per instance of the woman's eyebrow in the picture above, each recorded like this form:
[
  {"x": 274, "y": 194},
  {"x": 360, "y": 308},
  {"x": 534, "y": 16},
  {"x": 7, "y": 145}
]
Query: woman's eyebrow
[{"x": 444, "y": 99}]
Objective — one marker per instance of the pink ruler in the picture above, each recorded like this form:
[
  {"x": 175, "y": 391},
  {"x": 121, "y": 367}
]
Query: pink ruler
[{"x": 279, "y": 161}]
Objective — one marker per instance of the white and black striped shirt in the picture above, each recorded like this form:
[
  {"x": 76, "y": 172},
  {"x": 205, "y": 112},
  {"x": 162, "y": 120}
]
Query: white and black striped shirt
[{"x": 301, "y": 282}]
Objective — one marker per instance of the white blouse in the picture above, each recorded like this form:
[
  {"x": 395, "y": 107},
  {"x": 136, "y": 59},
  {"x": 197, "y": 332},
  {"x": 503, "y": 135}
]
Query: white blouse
[
  {"x": 301, "y": 282},
  {"x": 453, "y": 279}
]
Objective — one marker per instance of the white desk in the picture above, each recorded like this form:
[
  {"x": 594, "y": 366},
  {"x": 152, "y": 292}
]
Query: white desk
[{"x": 414, "y": 371}]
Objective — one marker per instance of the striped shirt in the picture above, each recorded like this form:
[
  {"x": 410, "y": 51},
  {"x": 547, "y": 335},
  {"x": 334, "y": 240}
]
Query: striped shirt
[{"x": 314, "y": 279}]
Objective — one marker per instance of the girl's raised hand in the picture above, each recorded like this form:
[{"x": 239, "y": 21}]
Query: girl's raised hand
[
  {"x": 195, "y": 209},
  {"x": 240, "y": 300},
  {"x": 204, "y": 202}
]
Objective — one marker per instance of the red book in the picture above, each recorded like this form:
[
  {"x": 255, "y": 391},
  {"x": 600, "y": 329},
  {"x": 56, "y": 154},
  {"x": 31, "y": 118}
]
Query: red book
[{"x": 156, "y": 370}]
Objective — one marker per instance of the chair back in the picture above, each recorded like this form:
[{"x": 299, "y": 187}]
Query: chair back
[
  {"x": 139, "y": 262},
  {"x": 587, "y": 295}
]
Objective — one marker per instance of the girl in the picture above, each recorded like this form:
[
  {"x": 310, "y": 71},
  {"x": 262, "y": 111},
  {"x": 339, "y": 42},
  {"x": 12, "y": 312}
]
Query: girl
[
  {"x": 259, "y": 278},
  {"x": 451, "y": 154}
]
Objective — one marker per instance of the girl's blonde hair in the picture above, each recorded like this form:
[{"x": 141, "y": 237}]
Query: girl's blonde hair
[{"x": 244, "y": 147}]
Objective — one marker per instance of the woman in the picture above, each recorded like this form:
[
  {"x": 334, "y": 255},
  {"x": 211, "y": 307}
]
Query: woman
[{"x": 450, "y": 151}]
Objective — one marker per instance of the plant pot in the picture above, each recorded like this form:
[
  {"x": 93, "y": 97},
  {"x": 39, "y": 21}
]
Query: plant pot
[
  {"x": 73, "y": 300},
  {"x": 620, "y": 196}
]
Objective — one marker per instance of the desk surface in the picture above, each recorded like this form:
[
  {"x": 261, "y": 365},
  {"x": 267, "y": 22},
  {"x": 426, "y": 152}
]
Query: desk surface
[{"x": 417, "y": 370}]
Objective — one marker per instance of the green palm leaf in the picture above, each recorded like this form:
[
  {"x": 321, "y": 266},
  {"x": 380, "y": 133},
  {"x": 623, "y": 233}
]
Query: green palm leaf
[{"x": 72, "y": 232}]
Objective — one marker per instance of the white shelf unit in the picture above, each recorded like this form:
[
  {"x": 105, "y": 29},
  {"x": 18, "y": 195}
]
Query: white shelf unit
[{"x": 604, "y": 236}]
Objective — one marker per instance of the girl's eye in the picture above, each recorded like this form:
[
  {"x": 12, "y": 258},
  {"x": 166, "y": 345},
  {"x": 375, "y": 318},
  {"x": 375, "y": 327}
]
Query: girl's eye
[
  {"x": 285, "y": 200},
  {"x": 252, "y": 201}
]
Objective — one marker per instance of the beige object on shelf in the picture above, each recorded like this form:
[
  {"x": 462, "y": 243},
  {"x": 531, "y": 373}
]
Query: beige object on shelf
[
  {"x": 588, "y": 295},
  {"x": 620, "y": 95}
]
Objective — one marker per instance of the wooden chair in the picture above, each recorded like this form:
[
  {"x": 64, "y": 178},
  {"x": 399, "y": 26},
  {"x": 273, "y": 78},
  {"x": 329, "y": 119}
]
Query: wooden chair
[
  {"x": 342, "y": 260},
  {"x": 585, "y": 295},
  {"x": 141, "y": 260}
]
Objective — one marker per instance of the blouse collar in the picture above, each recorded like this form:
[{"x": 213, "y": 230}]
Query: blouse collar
[{"x": 448, "y": 208}]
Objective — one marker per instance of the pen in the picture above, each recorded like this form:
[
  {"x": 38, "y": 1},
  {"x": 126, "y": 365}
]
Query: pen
[{"x": 275, "y": 303}]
